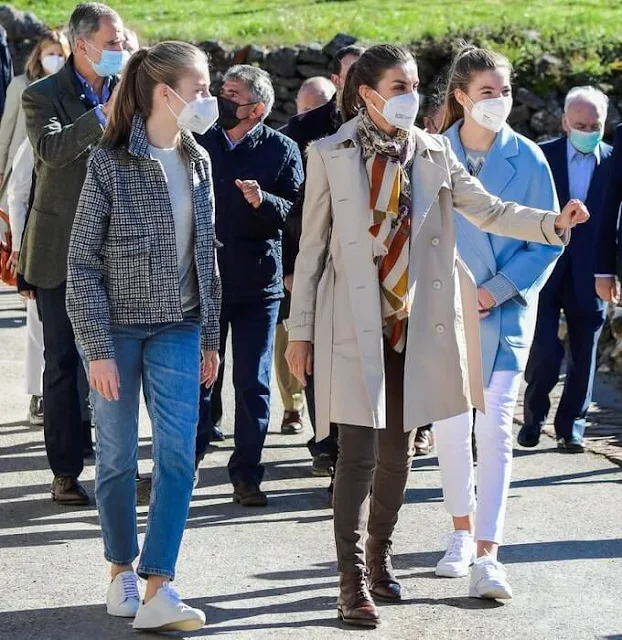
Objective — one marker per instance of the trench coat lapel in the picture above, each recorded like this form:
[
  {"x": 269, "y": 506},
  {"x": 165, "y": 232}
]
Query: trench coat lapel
[{"x": 427, "y": 180}]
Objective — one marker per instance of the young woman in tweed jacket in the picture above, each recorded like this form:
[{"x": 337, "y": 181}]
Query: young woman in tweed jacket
[{"x": 143, "y": 295}]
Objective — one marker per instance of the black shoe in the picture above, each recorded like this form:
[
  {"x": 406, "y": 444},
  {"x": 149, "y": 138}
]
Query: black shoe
[
  {"x": 68, "y": 491},
  {"x": 573, "y": 445},
  {"x": 143, "y": 491},
  {"x": 87, "y": 439},
  {"x": 528, "y": 437},
  {"x": 424, "y": 441},
  {"x": 35, "y": 411},
  {"x": 217, "y": 435},
  {"x": 248, "y": 494},
  {"x": 322, "y": 464}
]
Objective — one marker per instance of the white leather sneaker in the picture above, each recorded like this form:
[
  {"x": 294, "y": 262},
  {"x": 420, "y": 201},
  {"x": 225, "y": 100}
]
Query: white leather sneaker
[
  {"x": 488, "y": 580},
  {"x": 167, "y": 612},
  {"x": 123, "y": 598},
  {"x": 458, "y": 557}
]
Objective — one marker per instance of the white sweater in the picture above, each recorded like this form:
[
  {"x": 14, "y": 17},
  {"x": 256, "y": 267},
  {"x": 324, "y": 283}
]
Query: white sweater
[{"x": 19, "y": 186}]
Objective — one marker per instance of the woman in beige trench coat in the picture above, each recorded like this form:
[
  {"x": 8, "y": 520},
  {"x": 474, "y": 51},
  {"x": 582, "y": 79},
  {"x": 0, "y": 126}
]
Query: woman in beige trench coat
[{"x": 388, "y": 360}]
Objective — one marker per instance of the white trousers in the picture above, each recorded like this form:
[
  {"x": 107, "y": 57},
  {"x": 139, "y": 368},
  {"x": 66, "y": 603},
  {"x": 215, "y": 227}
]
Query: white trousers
[
  {"x": 493, "y": 435},
  {"x": 34, "y": 350}
]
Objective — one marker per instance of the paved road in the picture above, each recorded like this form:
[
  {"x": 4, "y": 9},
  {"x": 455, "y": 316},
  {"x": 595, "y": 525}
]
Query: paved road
[{"x": 271, "y": 573}]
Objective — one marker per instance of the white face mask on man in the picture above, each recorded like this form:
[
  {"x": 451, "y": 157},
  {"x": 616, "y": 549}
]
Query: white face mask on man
[
  {"x": 400, "y": 111},
  {"x": 491, "y": 113},
  {"x": 197, "y": 116}
]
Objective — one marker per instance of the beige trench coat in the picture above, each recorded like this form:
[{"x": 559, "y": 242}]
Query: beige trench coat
[{"x": 336, "y": 295}]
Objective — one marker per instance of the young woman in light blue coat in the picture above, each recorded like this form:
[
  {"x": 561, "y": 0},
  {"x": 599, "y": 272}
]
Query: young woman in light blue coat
[{"x": 509, "y": 274}]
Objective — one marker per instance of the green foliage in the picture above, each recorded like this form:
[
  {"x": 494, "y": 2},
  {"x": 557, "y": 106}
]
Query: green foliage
[
  {"x": 301, "y": 21},
  {"x": 584, "y": 35}
]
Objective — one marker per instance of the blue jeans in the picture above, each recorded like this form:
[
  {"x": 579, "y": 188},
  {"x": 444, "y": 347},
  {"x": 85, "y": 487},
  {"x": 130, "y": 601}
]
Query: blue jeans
[
  {"x": 253, "y": 326},
  {"x": 165, "y": 359}
]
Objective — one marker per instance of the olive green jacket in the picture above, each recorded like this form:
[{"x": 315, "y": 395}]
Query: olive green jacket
[{"x": 63, "y": 131}]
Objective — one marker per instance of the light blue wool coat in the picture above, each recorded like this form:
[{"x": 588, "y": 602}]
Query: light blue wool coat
[{"x": 513, "y": 271}]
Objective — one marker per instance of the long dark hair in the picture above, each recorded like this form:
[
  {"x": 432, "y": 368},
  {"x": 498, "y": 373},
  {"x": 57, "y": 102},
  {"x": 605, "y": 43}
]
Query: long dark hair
[
  {"x": 163, "y": 63},
  {"x": 468, "y": 61},
  {"x": 369, "y": 70}
]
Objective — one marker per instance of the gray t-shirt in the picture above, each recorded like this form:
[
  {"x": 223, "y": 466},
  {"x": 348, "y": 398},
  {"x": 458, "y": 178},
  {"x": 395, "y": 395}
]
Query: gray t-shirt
[{"x": 177, "y": 175}]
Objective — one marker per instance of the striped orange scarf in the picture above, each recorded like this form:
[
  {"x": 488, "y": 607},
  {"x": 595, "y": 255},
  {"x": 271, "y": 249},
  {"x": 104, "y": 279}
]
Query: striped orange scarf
[
  {"x": 388, "y": 162},
  {"x": 390, "y": 227}
]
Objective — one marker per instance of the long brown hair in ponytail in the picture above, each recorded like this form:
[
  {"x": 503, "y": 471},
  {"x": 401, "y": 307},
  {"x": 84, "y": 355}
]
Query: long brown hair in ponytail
[
  {"x": 164, "y": 63},
  {"x": 369, "y": 70},
  {"x": 469, "y": 61}
]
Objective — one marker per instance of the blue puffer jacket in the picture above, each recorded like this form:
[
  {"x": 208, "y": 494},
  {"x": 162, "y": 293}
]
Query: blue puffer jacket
[{"x": 250, "y": 258}]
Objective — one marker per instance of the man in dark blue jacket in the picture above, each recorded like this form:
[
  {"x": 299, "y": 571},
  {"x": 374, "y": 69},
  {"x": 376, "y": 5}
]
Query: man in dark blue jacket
[
  {"x": 609, "y": 260},
  {"x": 257, "y": 175},
  {"x": 580, "y": 163}
]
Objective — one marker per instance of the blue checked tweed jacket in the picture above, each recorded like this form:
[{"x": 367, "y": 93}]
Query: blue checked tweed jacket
[{"x": 122, "y": 263}]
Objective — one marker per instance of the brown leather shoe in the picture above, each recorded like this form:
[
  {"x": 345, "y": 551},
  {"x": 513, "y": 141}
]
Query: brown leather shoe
[
  {"x": 292, "y": 423},
  {"x": 69, "y": 491},
  {"x": 355, "y": 605},
  {"x": 383, "y": 584},
  {"x": 248, "y": 494}
]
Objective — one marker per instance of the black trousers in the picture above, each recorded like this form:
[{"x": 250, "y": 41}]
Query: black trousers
[
  {"x": 63, "y": 428},
  {"x": 330, "y": 444}
]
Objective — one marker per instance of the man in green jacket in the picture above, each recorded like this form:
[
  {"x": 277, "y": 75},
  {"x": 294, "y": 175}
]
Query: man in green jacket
[{"x": 65, "y": 116}]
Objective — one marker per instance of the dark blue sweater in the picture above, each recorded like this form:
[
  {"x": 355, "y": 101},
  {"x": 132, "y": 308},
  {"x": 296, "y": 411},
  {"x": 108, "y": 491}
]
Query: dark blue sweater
[{"x": 251, "y": 252}]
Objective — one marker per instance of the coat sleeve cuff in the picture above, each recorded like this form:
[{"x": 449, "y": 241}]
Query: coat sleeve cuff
[
  {"x": 210, "y": 339},
  {"x": 501, "y": 289},
  {"x": 550, "y": 233},
  {"x": 300, "y": 327},
  {"x": 102, "y": 350}
]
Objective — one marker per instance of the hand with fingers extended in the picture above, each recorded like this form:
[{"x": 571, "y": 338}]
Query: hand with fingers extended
[
  {"x": 104, "y": 378},
  {"x": 251, "y": 191},
  {"x": 299, "y": 357},
  {"x": 13, "y": 263},
  {"x": 210, "y": 361}
]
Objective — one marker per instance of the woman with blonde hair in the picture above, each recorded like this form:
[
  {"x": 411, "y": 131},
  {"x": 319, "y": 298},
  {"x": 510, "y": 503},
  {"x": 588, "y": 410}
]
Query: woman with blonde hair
[
  {"x": 143, "y": 296},
  {"x": 47, "y": 57},
  {"x": 509, "y": 274},
  {"x": 383, "y": 310}
]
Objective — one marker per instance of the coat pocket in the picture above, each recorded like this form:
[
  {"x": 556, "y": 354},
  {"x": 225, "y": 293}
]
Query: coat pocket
[{"x": 127, "y": 272}]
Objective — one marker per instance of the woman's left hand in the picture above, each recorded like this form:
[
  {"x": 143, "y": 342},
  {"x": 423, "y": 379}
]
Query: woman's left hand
[
  {"x": 210, "y": 361},
  {"x": 574, "y": 213},
  {"x": 13, "y": 262}
]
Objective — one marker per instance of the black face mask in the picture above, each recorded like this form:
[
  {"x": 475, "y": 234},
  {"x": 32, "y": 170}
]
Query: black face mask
[{"x": 228, "y": 113}]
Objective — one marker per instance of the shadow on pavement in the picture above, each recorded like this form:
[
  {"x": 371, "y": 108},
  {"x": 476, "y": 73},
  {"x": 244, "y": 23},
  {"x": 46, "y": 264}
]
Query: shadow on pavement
[
  {"x": 12, "y": 322},
  {"x": 556, "y": 551}
]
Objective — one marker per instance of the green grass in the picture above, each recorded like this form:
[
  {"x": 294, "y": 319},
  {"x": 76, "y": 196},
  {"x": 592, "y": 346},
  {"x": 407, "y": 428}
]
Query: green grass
[{"x": 272, "y": 22}]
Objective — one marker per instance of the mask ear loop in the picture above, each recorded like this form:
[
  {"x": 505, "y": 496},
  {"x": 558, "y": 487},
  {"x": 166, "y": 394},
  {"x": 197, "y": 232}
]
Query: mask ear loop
[{"x": 175, "y": 115}]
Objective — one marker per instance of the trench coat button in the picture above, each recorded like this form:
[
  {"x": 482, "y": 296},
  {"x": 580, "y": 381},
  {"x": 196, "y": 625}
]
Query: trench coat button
[
  {"x": 435, "y": 242},
  {"x": 440, "y": 328},
  {"x": 437, "y": 284}
]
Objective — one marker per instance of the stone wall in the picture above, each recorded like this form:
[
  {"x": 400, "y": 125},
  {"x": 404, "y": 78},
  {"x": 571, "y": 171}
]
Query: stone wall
[{"x": 536, "y": 114}]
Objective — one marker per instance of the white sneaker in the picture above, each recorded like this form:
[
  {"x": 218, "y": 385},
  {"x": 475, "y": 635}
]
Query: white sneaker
[
  {"x": 458, "y": 557},
  {"x": 488, "y": 580},
  {"x": 167, "y": 612},
  {"x": 123, "y": 598}
]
